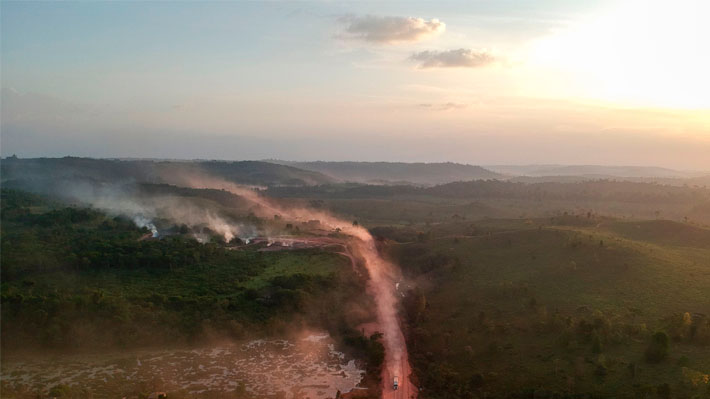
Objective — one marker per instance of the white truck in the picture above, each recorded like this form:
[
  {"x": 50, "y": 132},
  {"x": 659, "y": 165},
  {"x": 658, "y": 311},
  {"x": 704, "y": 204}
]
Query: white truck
[{"x": 396, "y": 383}]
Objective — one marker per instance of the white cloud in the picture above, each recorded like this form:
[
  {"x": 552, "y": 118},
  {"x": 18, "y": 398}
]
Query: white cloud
[
  {"x": 462, "y": 58},
  {"x": 390, "y": 30},
  {"x": 442, "y": 107}
]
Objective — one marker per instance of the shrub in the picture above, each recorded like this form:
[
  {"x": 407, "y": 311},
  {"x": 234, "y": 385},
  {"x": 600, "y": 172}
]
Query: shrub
[
  {"x": 476, "y": 380},
  {"x": 657, "y": 350},
  {"x": 596, "y": 344},
  {"x": 664, "y": 391},
  {"x": 59, "y": 391}
]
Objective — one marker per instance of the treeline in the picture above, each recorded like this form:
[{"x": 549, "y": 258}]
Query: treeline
[
  {"x": 602, "y": 190},
  {"x": 153, "y": 171},
  {"x": 491, "y": 329},
  {"x": 578, "y": 354},
  {"x": 76, "y": 239},
  {"x": 75, "y": 277},
  {"x": 87, "y": 316}
]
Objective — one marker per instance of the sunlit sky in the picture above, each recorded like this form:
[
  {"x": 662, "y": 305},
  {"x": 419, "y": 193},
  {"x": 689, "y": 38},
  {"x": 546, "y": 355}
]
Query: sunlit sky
[{"x": 481, "y": 82}]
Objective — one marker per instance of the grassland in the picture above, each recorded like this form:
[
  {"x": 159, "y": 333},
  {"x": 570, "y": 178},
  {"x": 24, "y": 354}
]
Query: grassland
[
  {"x": 534, "y": 308},
  {"x": 577, "y": 290}
]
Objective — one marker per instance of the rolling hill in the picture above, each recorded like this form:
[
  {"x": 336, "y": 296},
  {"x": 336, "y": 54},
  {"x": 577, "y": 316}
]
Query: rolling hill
[
  {"x": 155, "y": 171},
  {"x": 542, "y": 310},
  {"x": 397, "y": 172},
  {"x": 594, "y": 171}
]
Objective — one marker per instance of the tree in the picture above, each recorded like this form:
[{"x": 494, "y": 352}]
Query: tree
[
  {"x": 632, "y": 370},
  {"x": 415, "y": 304},
  {"x": 59, "y": 391},
  {"x": 664, "y": 391},
  {"x": 596, "y": 344},
  {"x": 184, "y": 229},
  {"x": 657, "y": 350},
  {"x": 241, "y": 390},
  {"x": 476, "y": 380}
]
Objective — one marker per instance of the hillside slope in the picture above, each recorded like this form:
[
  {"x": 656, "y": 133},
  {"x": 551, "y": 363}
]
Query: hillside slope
[
  {"x": 398, "y": 172},
  {"x": 596, "y": 171},
  {"x": 542, "y": 310},
  {"x": 112, "y": 170}
]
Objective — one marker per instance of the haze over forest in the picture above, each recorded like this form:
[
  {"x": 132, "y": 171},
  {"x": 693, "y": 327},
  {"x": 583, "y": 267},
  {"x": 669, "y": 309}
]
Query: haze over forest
[{"x": 355, "y": 200}]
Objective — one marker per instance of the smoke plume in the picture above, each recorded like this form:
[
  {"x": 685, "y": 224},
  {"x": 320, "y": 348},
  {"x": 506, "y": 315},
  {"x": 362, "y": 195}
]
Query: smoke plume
[{"x": 382, "y": 273}]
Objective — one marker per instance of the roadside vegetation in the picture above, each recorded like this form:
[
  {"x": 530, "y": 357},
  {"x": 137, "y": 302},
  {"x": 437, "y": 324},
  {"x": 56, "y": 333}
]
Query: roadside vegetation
[
  {"x": 588, "y": 289},
  {"x": 76, "y": 279},
  {"x": 576, "y": 306}
]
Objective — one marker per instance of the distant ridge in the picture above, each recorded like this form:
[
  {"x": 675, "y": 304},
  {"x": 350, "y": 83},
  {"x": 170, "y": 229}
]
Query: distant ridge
[
  {"x": 594, "y": 171},
  {"x": 151, "y": 171},
  {"x": 396, "y": 172}
]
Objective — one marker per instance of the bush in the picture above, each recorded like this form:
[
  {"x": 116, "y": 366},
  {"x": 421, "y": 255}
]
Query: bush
[
  {"x": 596, "y": 344},
  {"x": 476, "y": 380},
  {"x": 657, "y": 350},
  {"x": 59, "y": 391},
  {"x": 664, "y": 391},
  {"x": 601, "y": 370}
]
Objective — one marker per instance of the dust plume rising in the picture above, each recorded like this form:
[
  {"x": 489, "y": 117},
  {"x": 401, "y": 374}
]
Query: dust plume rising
[
  {"x": 383, "y": 274},
  {"x": 145, "y": 209}
]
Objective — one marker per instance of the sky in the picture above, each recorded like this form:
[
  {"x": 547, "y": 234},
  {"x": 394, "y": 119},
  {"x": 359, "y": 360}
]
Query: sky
[{"x": 620, "y": 82}]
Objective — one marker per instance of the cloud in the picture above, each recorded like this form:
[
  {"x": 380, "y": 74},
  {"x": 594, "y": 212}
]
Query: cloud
[
  {"x": 390, "y": 30},
  {"x": 442, "y": 107},
  {"x": 461, "y": 58}
]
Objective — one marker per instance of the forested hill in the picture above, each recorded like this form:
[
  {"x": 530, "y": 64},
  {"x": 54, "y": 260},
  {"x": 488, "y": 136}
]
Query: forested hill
[
  {"x": 587, "y": 190},
  {"x": 615, "y": 198},
  {"x": 112, "y": 170},
  {"x": 397, "y": 172},
  {"x": 76, "y": 277},
  {"x": 594, "y": 171}
]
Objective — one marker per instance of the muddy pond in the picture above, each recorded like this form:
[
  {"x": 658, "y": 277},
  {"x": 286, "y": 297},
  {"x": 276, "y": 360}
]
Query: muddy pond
[{"x": 307, "y": 367}]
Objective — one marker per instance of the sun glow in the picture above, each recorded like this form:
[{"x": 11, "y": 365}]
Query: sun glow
[{"x": 639, "y": 53}]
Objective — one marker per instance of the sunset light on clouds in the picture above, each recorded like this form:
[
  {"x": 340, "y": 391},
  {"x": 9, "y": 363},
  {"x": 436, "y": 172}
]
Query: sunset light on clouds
[
  {"x": 645, "y": 53},
  {"x": 483, "y": 82}
]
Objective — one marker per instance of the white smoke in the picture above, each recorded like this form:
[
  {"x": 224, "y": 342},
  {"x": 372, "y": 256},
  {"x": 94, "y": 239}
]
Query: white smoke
[
  {"x": 147, "y": 210},
  {"x": 382, "y": 273},
  {"x": 142, "y": 221}
]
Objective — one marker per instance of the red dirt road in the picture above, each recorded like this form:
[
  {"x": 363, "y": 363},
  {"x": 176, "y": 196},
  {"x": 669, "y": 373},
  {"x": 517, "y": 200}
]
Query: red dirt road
[{"x": 406, "y": 390}]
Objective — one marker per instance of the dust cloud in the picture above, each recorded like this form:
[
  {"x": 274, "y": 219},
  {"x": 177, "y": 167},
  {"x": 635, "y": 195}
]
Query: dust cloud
[{"x": 360, "y": 242}]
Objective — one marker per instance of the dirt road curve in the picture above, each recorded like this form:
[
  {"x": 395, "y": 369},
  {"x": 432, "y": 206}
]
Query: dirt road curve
[{"x": 406, "y": 389}]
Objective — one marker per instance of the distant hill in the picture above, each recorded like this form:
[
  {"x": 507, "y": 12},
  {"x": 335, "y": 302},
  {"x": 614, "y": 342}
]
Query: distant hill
[
  {"x": 152, "y": 171},
  {"x": 594, "y": 171},
  {"x": 701, "y": 181},
  {"x": 397, "y": 172},
  {"x": 663, "y": 232},
  {"x": 600, "y": 190},
  {"x": 698, "y": 181},
  {"x": 609, "y": 197},
  {"x": 547, "y": 301}
]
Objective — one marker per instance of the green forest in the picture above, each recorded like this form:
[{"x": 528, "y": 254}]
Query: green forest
[
  {"x": 570, "y": 307},
  {"x": 587, "y": 289},
  {"x": 76, "y": 278}
]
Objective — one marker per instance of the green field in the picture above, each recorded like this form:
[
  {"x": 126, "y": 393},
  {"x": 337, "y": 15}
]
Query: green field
[
  {"x": 543, "y": 309},
  {"x": 593, "y": 289}
]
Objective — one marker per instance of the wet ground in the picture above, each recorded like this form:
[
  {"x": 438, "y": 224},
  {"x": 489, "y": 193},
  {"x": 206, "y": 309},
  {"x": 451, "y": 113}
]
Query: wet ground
[{"x": 307, "y": 367}]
